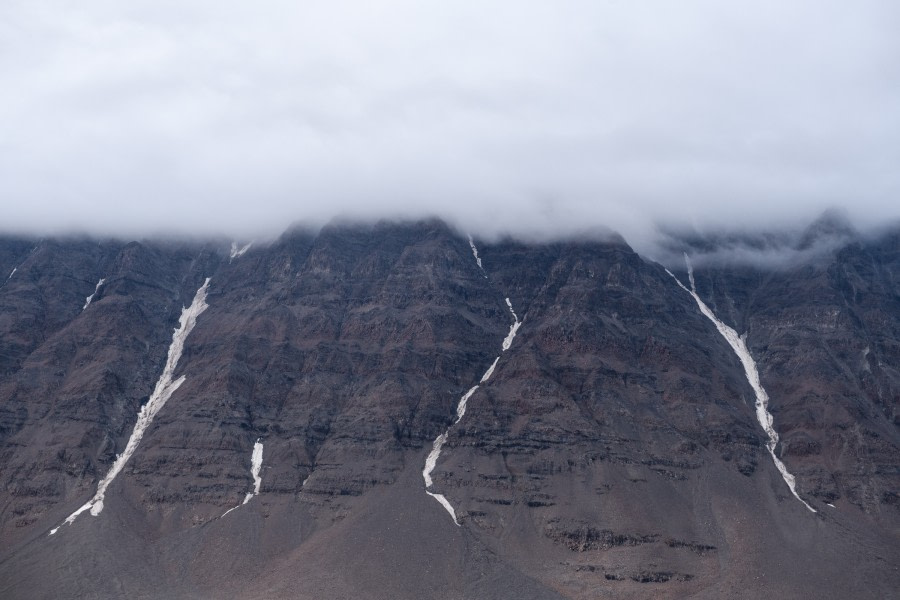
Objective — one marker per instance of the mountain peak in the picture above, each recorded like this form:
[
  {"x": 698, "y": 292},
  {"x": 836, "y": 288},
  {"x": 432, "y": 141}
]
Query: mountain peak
[{"x": 832, "y": 225}]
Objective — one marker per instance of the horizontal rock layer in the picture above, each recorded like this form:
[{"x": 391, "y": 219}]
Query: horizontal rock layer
[{"x": 614, "y": 452}]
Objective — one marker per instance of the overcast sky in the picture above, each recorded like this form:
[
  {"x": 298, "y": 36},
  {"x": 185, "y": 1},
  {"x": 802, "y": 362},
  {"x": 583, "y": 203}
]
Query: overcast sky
[{"x": 243, "y": 117}]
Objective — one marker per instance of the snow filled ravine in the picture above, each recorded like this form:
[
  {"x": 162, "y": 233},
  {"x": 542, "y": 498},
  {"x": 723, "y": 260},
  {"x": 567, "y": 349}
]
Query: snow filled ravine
[
  {"x": 164, "y": 389},
  {"x": 477, "y": 258},
  {"x": 256, "y": 460},
  {"x": 739, "y": 345},
  {"x": 437, "y": 446},
  {"x": 87, "y": 301},
  {"x": 237, "y": 252}
]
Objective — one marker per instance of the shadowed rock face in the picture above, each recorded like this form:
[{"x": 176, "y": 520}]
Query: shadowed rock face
[{"x": 614, "y": 452}]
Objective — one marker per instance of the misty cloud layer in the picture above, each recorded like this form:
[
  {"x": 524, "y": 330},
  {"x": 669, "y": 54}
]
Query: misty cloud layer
[{"x": 535, "y": 118}]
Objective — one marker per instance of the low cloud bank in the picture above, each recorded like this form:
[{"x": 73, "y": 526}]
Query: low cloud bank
[{"x": 535, "y": 119}]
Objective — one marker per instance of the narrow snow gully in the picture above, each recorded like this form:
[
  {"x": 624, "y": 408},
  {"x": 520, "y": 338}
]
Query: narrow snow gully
[
  {"x": 475, "y": 253},
  {"x": 238, "y": 252},
  {"x": 91, "y": 297},
  {"x": 739, "y": 345},
  {"x": 164, "y": 389},
  {"x": 16, "y": 268},
  {"x": 255, "y": 466},
  {"x": 434, "y": 455},
  {"x": 513, "y": 329}
]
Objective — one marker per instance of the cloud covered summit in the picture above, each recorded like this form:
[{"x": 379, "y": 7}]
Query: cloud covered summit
[{"x": 531, "y": 118}]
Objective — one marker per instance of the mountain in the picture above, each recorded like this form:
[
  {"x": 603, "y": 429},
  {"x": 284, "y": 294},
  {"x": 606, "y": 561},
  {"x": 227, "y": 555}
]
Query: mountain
[{"x": 261, "y": 421}]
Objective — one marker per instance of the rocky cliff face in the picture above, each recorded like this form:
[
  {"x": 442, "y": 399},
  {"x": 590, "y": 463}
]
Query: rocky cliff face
[
  {"x": 825, "y": 331},
  {"x": 614, "y": 451}
]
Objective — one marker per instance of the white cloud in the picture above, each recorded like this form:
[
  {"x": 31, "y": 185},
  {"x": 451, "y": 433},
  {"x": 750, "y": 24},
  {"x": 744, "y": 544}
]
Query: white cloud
[{"x": 534, "y": 117}]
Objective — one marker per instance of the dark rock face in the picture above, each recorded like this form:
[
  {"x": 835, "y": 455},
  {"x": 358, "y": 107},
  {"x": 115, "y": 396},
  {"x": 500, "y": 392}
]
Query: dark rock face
[
  {"x": 614, "y": 452},
  {"x": 825, "y": 334}
]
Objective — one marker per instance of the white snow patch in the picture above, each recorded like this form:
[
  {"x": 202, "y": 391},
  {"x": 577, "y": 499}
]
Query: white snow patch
[
  {"x": 829, "y": 504},
  {"x": 430, "y": 464},
  {"x": 490, "y": 371},
  {"x": 739, "y": 345},
  {"x": 164, "y": 389},
  {"x": 513, "y": 329},
  {"x": 509, "y": 304},
  {"x": 431, "y": 460},
  {"x": 238, "y": 252},
  {"x": 461, "y": 407},
  {"x": 255, "y": 466},
  {"x": 13, "y": 272},
  {"x": 446, "y": 504},
  {"x": 91, "y": 297},
  {"x": 475, "y": 253}
]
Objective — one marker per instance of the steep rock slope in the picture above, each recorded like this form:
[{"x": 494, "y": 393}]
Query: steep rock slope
[
  {"x": 826, "y": 333},
  {"x": 614, "y": 450},
  {"x": 74, "y": 376}
]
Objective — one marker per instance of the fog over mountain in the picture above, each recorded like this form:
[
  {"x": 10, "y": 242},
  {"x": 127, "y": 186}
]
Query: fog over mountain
[
  {"x": 399, "y": 300},
  {"x": 540, "y": 119}
]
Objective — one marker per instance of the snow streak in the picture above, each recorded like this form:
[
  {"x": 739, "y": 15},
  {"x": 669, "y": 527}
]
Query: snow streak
[
  {"x": 91, "y": 297},
  {"x": 13, "y": 272},
  {"x": 461, "y": 407},
  {"x": 475, "y": 253},
  {"x": 238, "y": 252},
  {"x": 512, "y": 329},
  {"x": 165, "y": 387},
  {"x": 739, "y": 345},
  {"x": 255, "y": 465},
  {"x": 431, "y": 460},
  {"x": 430, "y": 464},
  {"x": 489, "y": 372}
]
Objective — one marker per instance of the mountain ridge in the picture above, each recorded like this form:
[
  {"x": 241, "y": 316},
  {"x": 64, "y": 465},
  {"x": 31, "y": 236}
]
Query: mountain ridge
[{"x": 614, "y": 452}]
